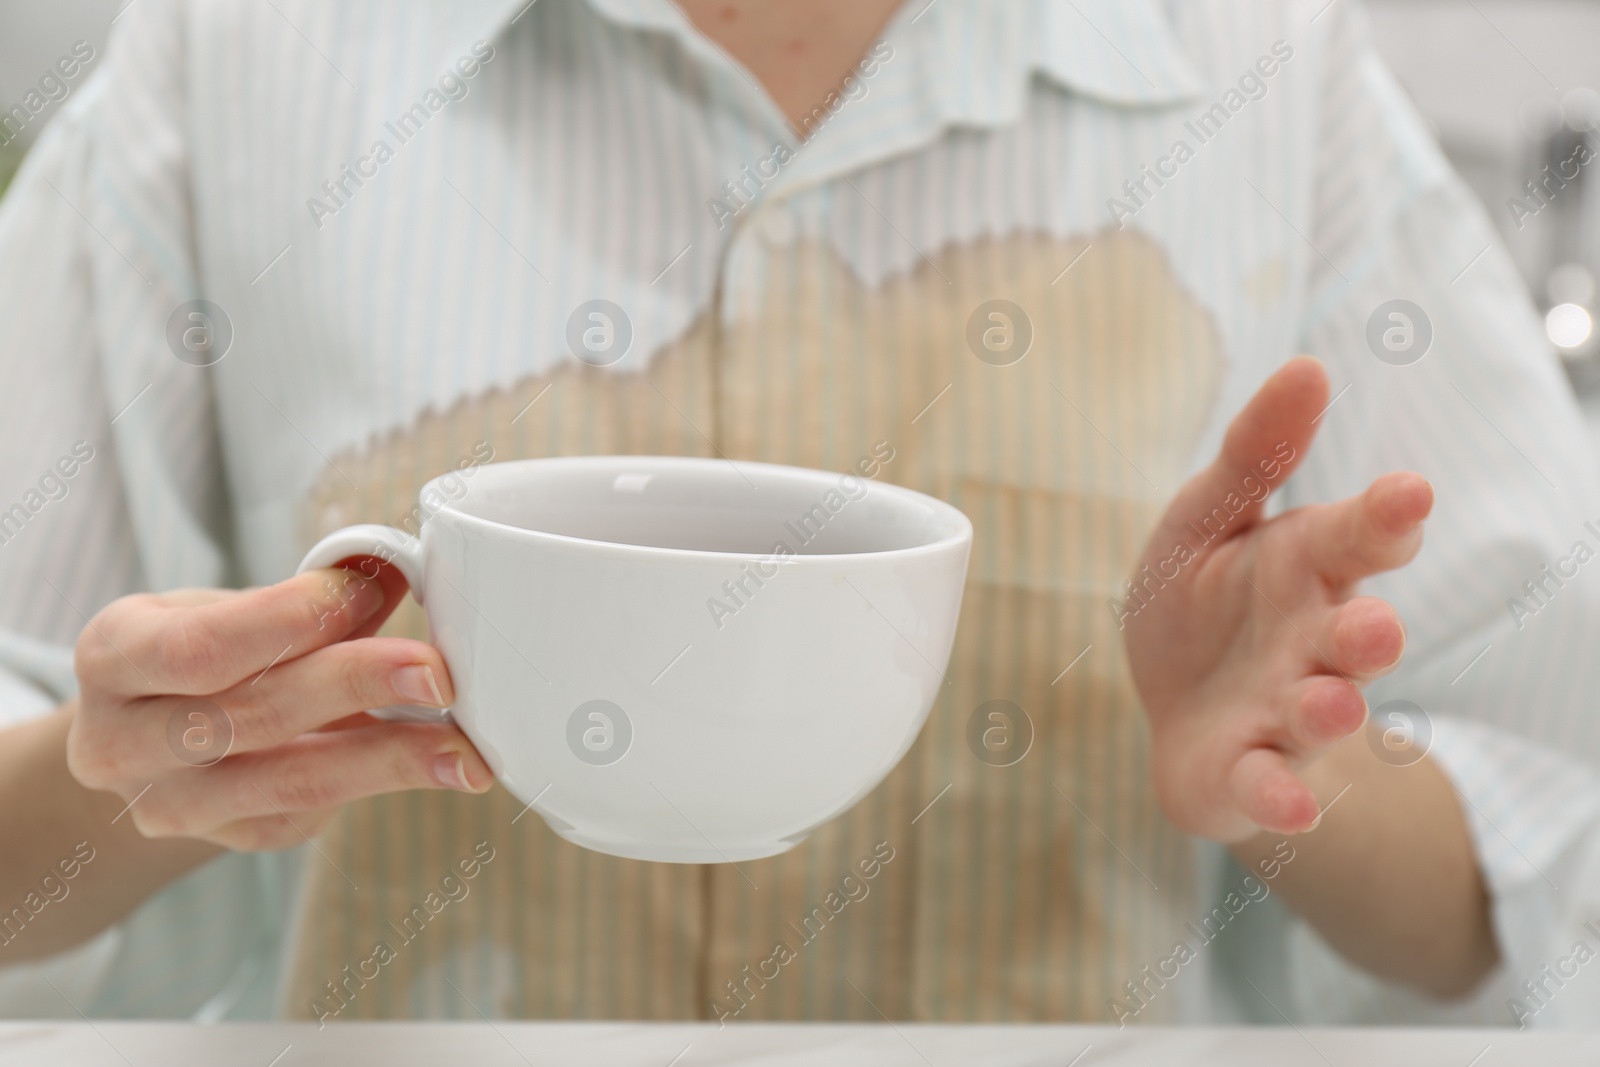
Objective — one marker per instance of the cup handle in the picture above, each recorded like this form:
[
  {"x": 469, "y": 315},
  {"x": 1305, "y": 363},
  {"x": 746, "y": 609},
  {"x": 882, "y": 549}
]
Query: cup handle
[
  {"x": 391, "y": 546},
  {"x": 383, "y": 542}
]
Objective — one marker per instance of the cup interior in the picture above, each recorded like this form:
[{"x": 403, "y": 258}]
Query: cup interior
[{"x": 701, "y": 505}]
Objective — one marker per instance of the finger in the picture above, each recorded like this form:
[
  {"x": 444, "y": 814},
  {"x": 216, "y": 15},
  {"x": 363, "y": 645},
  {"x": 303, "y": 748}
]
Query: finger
[
  {"x": 1263, "y": 445},
  {"x": 388, "y": 576},
  {"x": 331, "y": 684},
  {"x": 1323, "y": 709},
  {"x": 1377, "y": 531},
  {"x": 141, "y": 645},
  {"x": 1270, "y": 795},
  {"x": 315, "y": 771},
  {"x": 193, "y": 598},
  {"x": 1364, "y": 638}
]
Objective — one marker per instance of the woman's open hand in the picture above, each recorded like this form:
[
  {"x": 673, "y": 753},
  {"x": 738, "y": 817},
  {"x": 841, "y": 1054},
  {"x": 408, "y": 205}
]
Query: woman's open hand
[{"x": 1245, "y": 635}]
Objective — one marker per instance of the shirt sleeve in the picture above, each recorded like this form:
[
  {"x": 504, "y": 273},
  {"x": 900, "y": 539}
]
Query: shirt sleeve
[
  {"x": 113, "y": 482},
  {"x": 1502, "y": 605},
  {"x": 113, "y": 476},
  {"x": 1535, "y": 820}
]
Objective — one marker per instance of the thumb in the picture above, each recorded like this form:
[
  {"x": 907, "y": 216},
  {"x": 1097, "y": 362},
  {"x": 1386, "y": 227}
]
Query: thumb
[{"x": 389, "y": 579}]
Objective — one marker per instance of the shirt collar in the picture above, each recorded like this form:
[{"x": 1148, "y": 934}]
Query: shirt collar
[
  {"x": 1116, "y": 51},
  {"x": 972, "y": 63},
  {"x": 954, "y": 63}
]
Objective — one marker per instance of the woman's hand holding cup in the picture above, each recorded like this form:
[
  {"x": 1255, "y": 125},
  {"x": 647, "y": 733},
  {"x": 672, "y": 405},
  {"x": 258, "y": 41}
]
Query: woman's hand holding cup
[{"x": 239, "y": 717}]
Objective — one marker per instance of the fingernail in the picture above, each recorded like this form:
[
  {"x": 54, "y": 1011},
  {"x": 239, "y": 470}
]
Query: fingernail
[
  {"x": 1404, "y": 636},
  {"x": 416, "y": 684},
  {"x": 449, "y": 771}
]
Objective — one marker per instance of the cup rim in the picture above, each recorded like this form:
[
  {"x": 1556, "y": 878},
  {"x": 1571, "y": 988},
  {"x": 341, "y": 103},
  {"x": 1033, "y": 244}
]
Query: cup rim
[{"x": 960, "y": 534}]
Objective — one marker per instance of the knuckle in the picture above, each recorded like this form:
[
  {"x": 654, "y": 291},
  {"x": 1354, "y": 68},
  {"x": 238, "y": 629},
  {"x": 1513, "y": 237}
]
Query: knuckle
[
  {"x": 355, "y": 679},
  {"x": 91, "y": 763},
  {"x": 259, "y": 720},
  {"x": 88, "y": 654},
  {"x": 189, "y": 654},
  {"x": 154, "y": 820},
  {"x": 93, "y": 755},
  {"x": 94, "y": 653},
  {"x": 300, "y": 788}
]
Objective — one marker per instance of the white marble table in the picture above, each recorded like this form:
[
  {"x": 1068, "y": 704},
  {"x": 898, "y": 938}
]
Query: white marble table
[{"x": 117, "y": 1044}]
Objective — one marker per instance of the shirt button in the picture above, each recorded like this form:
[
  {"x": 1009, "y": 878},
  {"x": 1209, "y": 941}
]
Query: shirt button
[{"x": 777, "y": 226}]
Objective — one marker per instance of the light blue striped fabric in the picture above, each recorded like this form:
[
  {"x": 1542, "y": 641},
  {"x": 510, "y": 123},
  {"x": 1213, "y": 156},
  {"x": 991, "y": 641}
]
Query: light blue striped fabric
[{"x": 582, "y": 162}]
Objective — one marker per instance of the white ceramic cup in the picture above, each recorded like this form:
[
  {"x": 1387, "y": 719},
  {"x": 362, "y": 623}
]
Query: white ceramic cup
[{"x": 684, "y": 660}]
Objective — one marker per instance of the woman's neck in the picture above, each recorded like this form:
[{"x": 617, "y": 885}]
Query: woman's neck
[{"x": 799, "y": 50}]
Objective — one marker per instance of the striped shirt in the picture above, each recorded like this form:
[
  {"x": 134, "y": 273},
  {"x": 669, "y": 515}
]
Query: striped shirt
[{"x": 399, "y": 215}]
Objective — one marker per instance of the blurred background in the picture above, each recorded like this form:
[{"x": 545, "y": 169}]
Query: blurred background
[{"x": 1511, "y": 88}]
